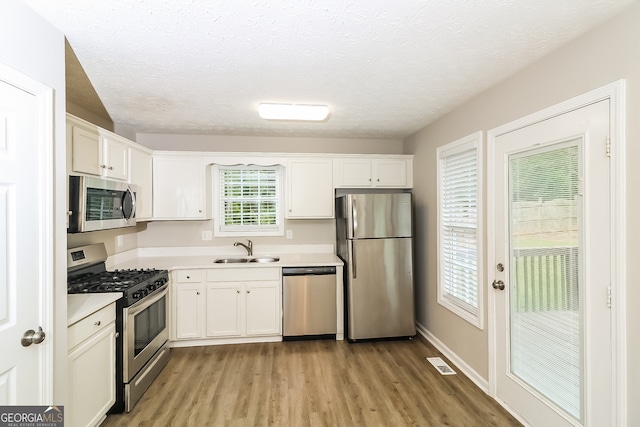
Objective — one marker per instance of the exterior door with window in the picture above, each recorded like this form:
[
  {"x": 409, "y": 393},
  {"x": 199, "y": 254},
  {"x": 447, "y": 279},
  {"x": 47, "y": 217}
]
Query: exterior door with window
[{"x": 553, "y": 268}]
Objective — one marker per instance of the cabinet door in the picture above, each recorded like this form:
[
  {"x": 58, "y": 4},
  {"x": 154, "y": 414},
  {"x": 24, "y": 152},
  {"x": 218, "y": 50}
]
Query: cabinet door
[
  {"x": 86, "y": 152},
  {"x": 390, "y": 173},
  {"x": 224, "y": 309},
  {"x": 116, "y": 158},
  {"x": 263, "y": 308},
  {"x": 354, "y": 173},
  {"x": 91, "y": 373},
  {"x": 188, "y": 310},
  {"x": 140, "y": 167},
  {"x": 178, "y": 188},
  {"x": 310, "y": 185}
]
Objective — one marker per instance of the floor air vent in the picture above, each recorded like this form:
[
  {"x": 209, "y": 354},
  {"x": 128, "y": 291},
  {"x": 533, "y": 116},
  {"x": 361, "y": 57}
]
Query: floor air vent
[{"x": 441, "y": 366}]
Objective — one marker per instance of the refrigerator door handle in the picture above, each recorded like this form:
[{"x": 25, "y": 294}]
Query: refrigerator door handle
[
  {"x": 354, "y": 222},
  {"x": 353, "y": 261}
]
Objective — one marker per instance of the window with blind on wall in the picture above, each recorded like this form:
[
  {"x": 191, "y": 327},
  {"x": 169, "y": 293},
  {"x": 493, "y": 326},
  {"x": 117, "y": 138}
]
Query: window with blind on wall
[
  {"x": 459, "y": 228},
  {"x": 248, "y": 200}
]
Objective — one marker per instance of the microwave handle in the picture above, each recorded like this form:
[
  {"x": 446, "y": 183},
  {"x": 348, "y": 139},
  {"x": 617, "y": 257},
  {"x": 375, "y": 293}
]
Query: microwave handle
[{"x": 132, "y": 195}]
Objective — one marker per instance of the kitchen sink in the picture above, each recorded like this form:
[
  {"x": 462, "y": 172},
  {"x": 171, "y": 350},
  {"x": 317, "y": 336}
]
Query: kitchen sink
[
  {"x": 230, "y": 260},
  {"x": 242, "y": 260},
  {"x": 265, "y": 259}
]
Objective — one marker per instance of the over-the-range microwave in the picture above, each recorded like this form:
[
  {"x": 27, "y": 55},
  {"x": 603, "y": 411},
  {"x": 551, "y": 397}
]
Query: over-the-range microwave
[{"x": 99, "y": 204}]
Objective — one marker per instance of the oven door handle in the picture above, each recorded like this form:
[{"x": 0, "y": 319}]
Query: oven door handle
[{"x": 132, "y": 310}]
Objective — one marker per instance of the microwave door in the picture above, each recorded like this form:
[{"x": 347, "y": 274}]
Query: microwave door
[{"x": 128, "y": 205}]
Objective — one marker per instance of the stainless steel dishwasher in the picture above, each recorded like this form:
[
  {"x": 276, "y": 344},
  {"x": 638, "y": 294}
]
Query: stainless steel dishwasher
[{"x": 309, "y": 301}]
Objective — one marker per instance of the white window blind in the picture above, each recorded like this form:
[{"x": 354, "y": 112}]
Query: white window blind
[
  {"x": 249, "y": 199},
  {"x": 458, "y": 228},
  {"x": 546, "y": 315}
]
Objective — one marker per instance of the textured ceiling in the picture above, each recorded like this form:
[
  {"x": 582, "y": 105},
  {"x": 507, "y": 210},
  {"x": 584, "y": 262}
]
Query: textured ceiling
[{"x": 385, "y": 68}]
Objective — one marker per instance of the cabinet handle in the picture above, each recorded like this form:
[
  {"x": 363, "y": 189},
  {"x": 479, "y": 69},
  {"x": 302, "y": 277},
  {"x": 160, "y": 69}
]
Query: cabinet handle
[
  {"x": 188, "y": 277},
  {"x": 238, "y": 290},
  {"x": 199, "y": 210},
  {"x": 378, "y": 179},
  {"x": 103, "y": 166},
  {"x": 248, "y": 292},
  {"x": 197, "y": 293},
  {"x": 97, "y": 323},
  {"x": 110, "y": 168}
]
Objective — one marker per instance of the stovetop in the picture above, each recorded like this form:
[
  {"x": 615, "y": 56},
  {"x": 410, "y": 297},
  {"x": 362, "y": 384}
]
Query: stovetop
[{"x": 134, "y": 284}]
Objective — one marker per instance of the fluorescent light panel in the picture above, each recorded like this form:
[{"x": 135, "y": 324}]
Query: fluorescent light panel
[{"x": 293, "y": 112}]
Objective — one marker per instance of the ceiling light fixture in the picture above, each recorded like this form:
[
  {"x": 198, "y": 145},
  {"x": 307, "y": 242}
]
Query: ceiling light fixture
[{"x": 316, "y": 113}]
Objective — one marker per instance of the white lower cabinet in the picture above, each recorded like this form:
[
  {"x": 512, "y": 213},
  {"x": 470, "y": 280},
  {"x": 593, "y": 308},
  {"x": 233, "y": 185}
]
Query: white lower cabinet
[
  {"x": 224, "y": 309},
  {"x": 227, "y": 303},
  {"x": 91, "y": 368}
]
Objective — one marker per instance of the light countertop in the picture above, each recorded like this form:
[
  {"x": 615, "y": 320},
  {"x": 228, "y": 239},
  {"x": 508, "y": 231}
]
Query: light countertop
[
  {"x": 80, "y": 306},
  {"x": 206, "y": 261}
]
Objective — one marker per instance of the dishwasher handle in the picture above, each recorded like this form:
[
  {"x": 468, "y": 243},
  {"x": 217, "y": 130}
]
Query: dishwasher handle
[{"x": 308, "y": 271}]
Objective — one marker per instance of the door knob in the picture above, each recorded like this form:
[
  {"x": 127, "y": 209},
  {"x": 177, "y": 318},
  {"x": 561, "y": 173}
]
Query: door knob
[
  {"x": 32, "y": 337},
  {"x": 498, "y": 284}
]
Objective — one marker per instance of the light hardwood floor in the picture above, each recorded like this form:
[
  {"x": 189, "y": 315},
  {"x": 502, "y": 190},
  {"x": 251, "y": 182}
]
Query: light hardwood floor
[{"x": 311, "y": 383}]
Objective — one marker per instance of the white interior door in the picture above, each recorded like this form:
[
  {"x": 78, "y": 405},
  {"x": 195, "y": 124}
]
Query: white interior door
[
  {"x": 553, "y": 256},
  {"x": 25, "y": 239}
]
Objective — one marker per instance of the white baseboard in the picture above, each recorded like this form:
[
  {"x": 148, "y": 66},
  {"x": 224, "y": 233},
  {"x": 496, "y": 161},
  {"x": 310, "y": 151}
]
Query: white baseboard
[{"x": 477, "y": 379}]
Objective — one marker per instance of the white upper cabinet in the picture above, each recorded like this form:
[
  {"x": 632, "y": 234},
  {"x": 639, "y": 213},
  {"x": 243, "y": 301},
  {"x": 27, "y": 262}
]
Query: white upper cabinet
[
  {"x": 179, "y": 187},
  {"x": 374, "y": 171},
  {"x": 140, "y": 174},
  {"x": 115, "y": 156},
  {"x": 95, "y": 151},
  {"x": 86, "y": 156},
  {"x": 310, "y": 188}
]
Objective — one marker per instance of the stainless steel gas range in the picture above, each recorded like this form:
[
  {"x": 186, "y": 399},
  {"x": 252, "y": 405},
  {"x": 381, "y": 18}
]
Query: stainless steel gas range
[{"x": 141, "y": 318}]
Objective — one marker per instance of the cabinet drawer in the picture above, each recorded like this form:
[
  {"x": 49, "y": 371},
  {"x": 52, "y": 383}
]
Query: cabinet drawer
[
  {"x": 90, "y": 325},
  {"x": 242, "y": 274},
  {"x": 189, "y": 276}
]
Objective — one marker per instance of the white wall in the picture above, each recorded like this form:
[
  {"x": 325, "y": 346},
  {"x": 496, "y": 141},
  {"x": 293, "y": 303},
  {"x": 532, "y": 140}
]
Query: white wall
[
  {"x": 32, "y": 46},
  {"x": 606, "y": 54}
]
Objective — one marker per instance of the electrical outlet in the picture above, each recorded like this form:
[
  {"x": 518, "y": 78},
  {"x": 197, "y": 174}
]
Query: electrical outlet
[
  {"x": 119, "y": 241},
  {"x": 207, "y": 235},
  {"x": 289, "y": 234}
]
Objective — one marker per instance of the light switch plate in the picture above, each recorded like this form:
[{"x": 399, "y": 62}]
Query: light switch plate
[
  {"x": 207, "y": 235},
  {"x": 289, "y": 234}
]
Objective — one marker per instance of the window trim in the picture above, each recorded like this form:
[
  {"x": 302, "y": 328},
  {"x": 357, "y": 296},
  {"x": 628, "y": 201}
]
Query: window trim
[
  {"x": 461, "y": 309},
  {"x": 277, "y": 230}
]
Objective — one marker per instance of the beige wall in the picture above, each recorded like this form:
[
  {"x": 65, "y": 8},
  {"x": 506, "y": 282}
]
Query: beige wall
[
  {"x": 189, "y": 233},
  {"x": 272, "y": 144},
  {"x": 604, "y": 55}
]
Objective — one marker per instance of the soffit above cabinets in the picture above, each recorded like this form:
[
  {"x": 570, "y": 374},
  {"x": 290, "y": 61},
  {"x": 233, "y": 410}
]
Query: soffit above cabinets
[{"x": 384, "y": 68}]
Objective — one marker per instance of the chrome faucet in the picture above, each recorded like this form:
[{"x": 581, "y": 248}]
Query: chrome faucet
[{"x": 248, "y": 247}]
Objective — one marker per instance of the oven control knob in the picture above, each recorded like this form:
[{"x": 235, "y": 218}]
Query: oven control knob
[
  {"x": 136, "y": 295},
  {"x": 152, "y": 287}
]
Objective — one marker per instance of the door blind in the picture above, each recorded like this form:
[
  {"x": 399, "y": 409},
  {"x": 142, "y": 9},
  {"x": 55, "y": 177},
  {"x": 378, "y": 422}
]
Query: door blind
[
  {"x": 459, "y": 229},
  {"x": 544, "y": 285}
]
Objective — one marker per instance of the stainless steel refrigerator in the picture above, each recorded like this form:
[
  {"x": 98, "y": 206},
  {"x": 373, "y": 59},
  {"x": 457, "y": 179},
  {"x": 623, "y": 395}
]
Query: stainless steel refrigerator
[{"x": 374, "y": 239}]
